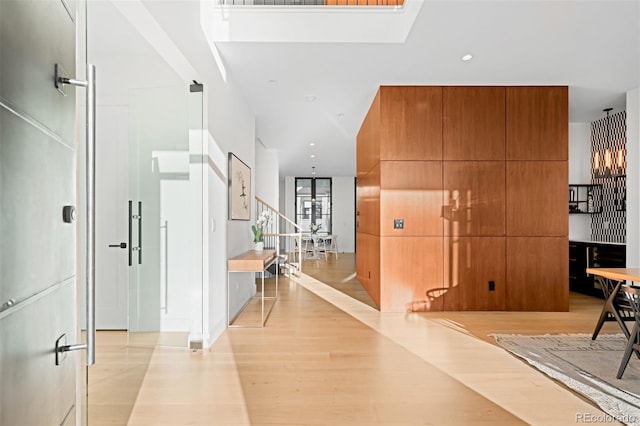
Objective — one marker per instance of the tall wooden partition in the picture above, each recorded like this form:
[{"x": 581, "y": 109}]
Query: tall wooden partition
[{"x": 461, "y": 198}]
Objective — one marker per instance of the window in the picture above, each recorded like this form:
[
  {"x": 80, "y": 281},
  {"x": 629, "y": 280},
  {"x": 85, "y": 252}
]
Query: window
[{"x": 313, "y": 203}]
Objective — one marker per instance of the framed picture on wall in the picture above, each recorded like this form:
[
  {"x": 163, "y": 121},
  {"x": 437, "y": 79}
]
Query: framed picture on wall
[{"x": 239, "y": 189}]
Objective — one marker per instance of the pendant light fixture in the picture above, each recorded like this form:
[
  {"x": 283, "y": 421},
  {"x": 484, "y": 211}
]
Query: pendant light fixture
[
  {"x": 606, "y": 163},
  {"x": 607, "y": 145},
  {"x": 603, "y": 160}
]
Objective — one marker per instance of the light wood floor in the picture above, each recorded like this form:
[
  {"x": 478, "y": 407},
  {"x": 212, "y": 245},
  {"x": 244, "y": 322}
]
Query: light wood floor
[{"x": 325, "y": 358}]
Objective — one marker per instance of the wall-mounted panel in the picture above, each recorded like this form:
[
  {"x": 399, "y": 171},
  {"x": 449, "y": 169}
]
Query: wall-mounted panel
[
  {"x": 473, "y": 123},
  {"x": 411, "y": 118},
  {"x": 26, "y": 80},
  {"x": 537, "y": 274},
  {"x": 37, "y": 181},
  {"x": 537, "y": 123},
  {"x": 368, "y": 264},
  {"x": 362, "y": 259},
  {"x": 411, "y": 191},
  {"x": 368, "y": 139},
  {"x": 474, "y": 273},
  {"x": 368, "y": 202},
  {"x": 411, "y": 278},
  {"x": 537, "y": 198},
  {"x": 463, "y": 171},
  {"x": 34, "y": 390},
  {"x": 474, "y": 198}
]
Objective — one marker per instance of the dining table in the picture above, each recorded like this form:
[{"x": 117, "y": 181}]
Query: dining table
[
  {"x": 613, "y": 280},
  {"x": 316, "y": 244},
  {"x": 619, "y": 307}
]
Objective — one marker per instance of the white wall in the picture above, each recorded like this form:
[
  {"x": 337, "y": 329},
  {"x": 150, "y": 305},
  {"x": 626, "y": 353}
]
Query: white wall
[
  {"x": 267, "y": 175},
  {"x": 234, "y": 134},
  {"x": 289, "y": 197},
  {"x": 215, "y": 309},
  {"x": 229, "y": 127},
  {"x": 283, "y": 205},
  {"x": 288, "y": 187},
  {"x": 343, "y": 208},
  {"x": 579, "y": 173},
  {"x": 344, "y": 212},
  {"x": 633, "y": 178}
]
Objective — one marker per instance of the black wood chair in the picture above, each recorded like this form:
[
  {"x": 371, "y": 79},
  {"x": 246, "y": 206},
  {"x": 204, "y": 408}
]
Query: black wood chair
[
  {"x": 616, "y": 306},
  {"x": 632, "y": 295}
]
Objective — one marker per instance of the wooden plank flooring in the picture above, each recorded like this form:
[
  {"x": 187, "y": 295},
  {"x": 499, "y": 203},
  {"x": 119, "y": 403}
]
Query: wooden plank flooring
[{"x": 325, "y": 358}]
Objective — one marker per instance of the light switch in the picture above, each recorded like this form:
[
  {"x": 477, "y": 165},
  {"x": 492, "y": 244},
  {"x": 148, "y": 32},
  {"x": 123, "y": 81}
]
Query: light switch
[{"x": 398, "y": 223}]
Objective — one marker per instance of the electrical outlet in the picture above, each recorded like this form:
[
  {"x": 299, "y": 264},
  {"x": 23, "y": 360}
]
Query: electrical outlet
[
  {"x": 492, "y": 285},
  {"x": 398, "y": 223}
]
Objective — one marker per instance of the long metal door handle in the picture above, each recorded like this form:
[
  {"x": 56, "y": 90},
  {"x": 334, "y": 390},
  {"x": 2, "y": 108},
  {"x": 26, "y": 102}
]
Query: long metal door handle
[
  {"x": 91, "y": 214},
  {"x": 90, "y": 189},
  {"x": 139, "y": 232},
  {"x": 165, "y": 306},
  {"x": 130, "y": 232},
  {"x": 122, "y": 245}
]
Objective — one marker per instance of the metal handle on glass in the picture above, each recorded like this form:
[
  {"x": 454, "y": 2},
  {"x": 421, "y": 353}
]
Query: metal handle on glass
[
  {"x": 90, "y": 84},
  {"x": 137, "y": 217},
  {"x": 139, "y": 232},
  {"x": 91, "y": 214},
  {"x": 165, "y": 306},
  {"x": 130, "y": 231}
]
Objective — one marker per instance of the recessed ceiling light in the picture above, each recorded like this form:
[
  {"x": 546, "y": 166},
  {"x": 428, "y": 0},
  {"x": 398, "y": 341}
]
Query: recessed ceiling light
[
  {"x": 467, "y": 57},
  {"x": 310, "y": 98},
  {"x": 272, "y": 82},
  {"x": 340, "y": 114},
  {"x": 313, "y": 156},
  {"x": 312, "y": 144}
]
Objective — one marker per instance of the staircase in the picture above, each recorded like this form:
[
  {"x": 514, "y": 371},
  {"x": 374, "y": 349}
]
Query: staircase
[{"x": 282, "y": 235}]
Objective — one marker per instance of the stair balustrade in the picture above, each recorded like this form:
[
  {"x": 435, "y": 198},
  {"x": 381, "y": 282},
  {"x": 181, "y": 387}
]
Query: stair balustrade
[{"x": 282, "y": 235}]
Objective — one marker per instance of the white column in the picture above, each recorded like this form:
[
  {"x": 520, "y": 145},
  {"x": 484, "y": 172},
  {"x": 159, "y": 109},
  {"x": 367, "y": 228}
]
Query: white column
[{"x": 579, "y": 173}]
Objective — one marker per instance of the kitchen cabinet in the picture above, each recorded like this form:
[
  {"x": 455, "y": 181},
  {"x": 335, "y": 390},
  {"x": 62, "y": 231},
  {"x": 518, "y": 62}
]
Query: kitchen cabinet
[{"x": 591, "y": 254}]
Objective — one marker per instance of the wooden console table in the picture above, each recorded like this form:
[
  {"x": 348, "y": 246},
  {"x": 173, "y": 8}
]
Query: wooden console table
[{"x": 256, "y": 262}]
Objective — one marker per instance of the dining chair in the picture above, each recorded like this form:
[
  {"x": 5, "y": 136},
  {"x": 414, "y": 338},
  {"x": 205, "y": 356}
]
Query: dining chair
[
  {"x": 308, "y": 247},
  {"x": 321, "y": 245},
  {"x": 632, "y": 294},
  {"x": 332, "y": 244},
  {"x": 616, "y": 306}
]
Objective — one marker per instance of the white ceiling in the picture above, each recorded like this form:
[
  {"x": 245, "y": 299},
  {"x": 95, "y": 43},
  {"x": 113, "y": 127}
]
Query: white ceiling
[{"x": 591, "y": 46}]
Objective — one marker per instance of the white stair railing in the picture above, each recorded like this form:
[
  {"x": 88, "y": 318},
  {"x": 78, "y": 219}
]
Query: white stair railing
[{"x": 282, "y": 235}]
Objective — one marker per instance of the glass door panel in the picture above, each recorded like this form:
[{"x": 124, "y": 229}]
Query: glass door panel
[
  {"x": 165, "y": 188},
  {"x": 148, "y": 155},
  {"x": 313, "y": 204}
]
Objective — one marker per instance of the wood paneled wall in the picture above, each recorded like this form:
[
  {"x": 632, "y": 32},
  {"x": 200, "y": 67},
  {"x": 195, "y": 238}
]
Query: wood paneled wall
[
  {"x": 534, "y": 129},
  {"x": 473, "y": 123},
  {"x": 479, "y": 176},
  {"x": 411, "y": 126}
]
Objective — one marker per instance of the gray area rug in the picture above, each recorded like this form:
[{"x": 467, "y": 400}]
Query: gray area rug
[{"x": 587, "y": 366}]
